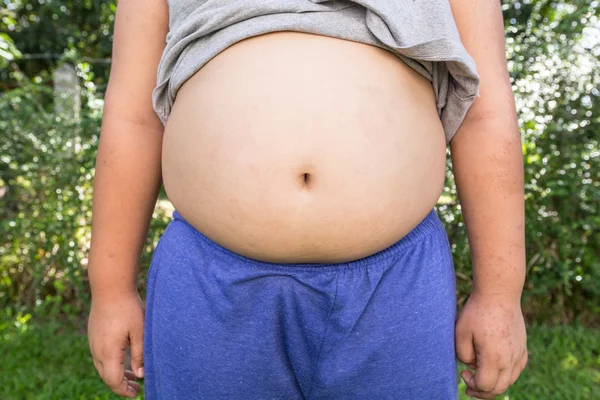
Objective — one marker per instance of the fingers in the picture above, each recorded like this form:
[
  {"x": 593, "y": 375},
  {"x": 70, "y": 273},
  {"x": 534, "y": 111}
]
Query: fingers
[
  {"x": 131, "y": 380},
  {"x": 113, "y": 326},
  {"x": 113, "y": 374},
  {"x": 490, "y": 382},
  {"x": 119, "y": 380},
  {"x": 136, "y": 339},
  {"x": 469, "y": 378},
  {"x": 465, "y": 349},
  {"x": 482, "y": 382},
  {"x": 130, "y": 375},
  {"x": 484, "y": 379},
  {"x": 521, "y": 364},
  {"x": 503, "y": 382}
]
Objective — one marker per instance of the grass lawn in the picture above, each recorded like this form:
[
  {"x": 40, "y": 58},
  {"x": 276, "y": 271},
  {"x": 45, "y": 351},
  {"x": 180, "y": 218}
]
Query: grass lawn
[{"x": 51, "y": 361}]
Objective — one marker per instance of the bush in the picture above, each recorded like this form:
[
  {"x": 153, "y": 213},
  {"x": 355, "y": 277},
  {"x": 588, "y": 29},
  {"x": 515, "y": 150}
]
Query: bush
[
  {"x": 46, "y": 170},
  {"x": 47, "y": 161},
  {"x": 553, "y": 58}
]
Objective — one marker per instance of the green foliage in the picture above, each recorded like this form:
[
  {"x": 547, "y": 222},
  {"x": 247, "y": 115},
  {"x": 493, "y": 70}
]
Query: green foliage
[
  {"x": 8, "y": 50},
  {"x": 557, "y": 93},
  {"x": 46, "y": 170},
  {"x": 46, "y": 161},
  {"x": 46, "y": 164},
  {"x": 553, "y": 50},
  {"x": 49, "y": 32}
]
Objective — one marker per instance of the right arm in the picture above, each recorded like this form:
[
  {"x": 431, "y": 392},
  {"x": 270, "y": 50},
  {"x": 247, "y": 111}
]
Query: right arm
[{"x": 126, "y": 185}]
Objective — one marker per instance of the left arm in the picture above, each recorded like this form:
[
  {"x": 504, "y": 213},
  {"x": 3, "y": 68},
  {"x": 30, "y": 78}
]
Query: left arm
[{"x": 488, "y": 169}]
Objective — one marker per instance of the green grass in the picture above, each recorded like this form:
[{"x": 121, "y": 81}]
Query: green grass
[
  {"x": 564, "y": 364},
  {"x": 47, "y": 361},
  {"x": 51, "y": 361}
]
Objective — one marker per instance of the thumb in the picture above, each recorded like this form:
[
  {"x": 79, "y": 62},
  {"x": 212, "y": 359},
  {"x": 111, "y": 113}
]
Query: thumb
[
  {"x": 136, "y": 341},
  {"x": 465, "y": 348}
]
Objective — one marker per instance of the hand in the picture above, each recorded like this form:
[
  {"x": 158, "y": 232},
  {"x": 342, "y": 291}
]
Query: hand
[
  {"x": 491, "y": 339},
  {"x": 113, "y": 325}
]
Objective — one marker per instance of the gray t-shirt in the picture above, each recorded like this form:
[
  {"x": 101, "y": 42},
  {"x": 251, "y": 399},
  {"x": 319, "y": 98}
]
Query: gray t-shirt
[{"x": 422, "y": 33}]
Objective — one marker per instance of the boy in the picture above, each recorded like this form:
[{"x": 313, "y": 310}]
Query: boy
[{"x": 319, "y": 280}]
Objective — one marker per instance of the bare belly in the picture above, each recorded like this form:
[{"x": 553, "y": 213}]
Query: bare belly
[{"x": 291, "y": 147}]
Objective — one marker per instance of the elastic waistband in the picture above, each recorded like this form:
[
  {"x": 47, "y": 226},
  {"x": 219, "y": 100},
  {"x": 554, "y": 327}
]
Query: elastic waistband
[{"x": 430, "y": 224}]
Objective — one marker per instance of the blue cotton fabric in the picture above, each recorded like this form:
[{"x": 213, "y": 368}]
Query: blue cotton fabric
[{"x": 223, "y": 326}]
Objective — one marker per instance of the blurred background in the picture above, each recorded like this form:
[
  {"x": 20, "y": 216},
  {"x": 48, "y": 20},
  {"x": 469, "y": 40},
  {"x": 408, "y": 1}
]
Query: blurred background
[{"x": 54, "y": 65}]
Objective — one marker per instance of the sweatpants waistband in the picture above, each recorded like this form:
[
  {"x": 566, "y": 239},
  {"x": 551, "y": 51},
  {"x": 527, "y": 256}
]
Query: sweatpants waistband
[{"x": 430, "y": 224}]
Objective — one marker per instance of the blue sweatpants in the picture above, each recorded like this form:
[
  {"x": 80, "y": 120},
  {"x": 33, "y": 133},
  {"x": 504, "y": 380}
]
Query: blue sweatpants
[{"x": 223, "y": 326}]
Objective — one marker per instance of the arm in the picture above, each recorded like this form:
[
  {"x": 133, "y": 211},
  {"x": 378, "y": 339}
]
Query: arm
[
  {"x": 488, "y": 169},
  {"x": 127, "y": 181}
]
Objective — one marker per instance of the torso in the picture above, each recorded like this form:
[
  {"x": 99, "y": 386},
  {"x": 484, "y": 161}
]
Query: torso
[{"x": 292, "y": 147}]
